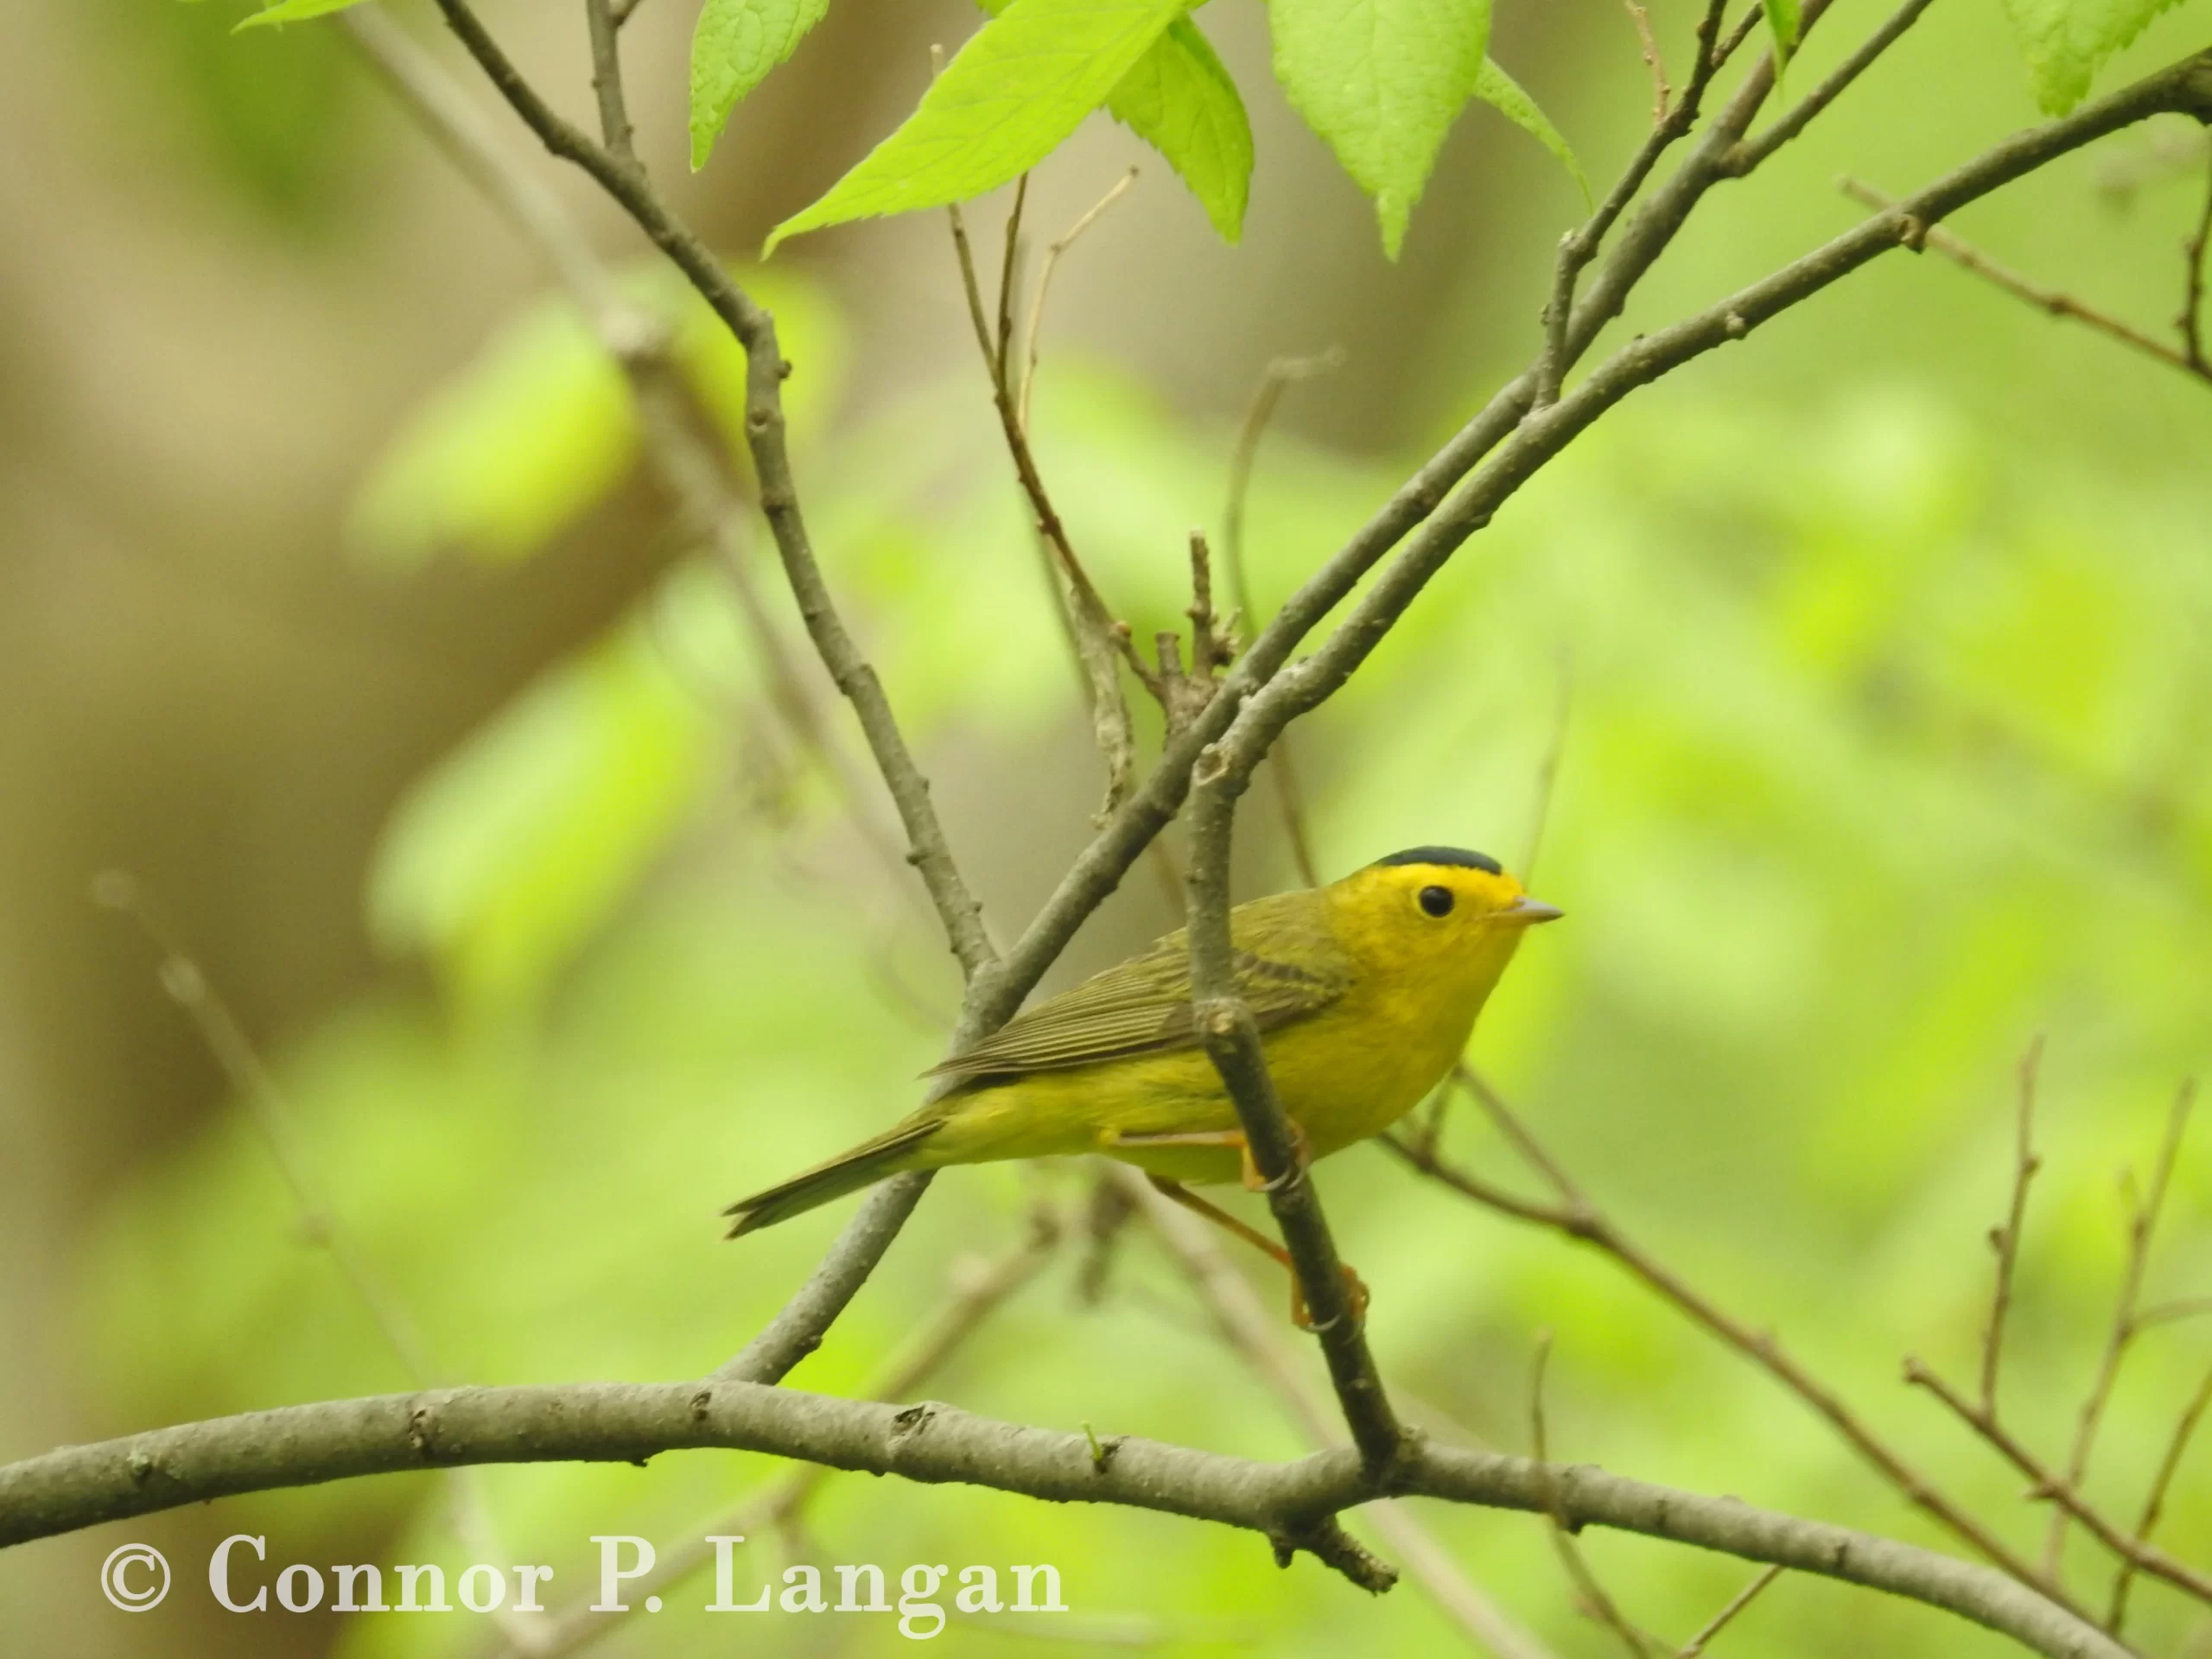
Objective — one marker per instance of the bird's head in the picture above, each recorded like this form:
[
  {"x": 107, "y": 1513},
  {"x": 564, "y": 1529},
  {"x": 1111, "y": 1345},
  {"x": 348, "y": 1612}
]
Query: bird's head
[{"x": 1438, "y": 909}]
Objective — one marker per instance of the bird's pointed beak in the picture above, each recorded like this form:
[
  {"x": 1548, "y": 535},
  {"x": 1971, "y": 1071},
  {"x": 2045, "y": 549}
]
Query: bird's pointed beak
[{"x": 1527, "y": 911}]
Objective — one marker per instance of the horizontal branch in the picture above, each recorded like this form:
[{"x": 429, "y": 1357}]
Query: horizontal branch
[{"x": 1288, "y": 1502}]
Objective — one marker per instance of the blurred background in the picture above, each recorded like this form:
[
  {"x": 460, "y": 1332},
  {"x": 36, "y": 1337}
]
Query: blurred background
[{"x": 335, "y": 612}]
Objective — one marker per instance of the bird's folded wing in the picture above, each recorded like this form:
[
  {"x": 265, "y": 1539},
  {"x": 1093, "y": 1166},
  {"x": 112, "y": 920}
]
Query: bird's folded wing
[{"x": 1143, "y": 1006}]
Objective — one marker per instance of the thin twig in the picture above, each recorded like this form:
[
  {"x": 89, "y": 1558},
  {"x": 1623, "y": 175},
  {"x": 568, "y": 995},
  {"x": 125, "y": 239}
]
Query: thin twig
[
  {"x": 1102, "y": 645},
  {"x": 2142, "y": 1225},
  {"x": 2194, "y": 253},
  {"x": 1743, "y": 1598},
  {"x": 1010, "y": 255},
  {"x": 1580, "y": 246},
  {"x": 1052, "y": 264},
  {"x": 2005, "y": 1239},
  {"x": 250, "y": 1079},
  {"x": 251, "y": 1082},
  {"x": 1281, "y": 375},
  {"x": 755, "y": 330},
  {"x": 1592, "y": 1600},
  {"x": 1751, "y": 151},
  {"x": 1641, "y": 16},
  {"x": 1966, "y": 256},
  {"x": 1245, "y": 1326},
  {"x": 2154, "y": 1503},
  {"x": 710, "y": 509},
  {"x": 606, "y": 84},
  {"x": 2048, "y": 1484},
  {"x": 1577, "y": 1217},
  {"x": 977, "y": 1290},
  {"x": 2182, "y": 1307},
  {"x": 1232, "y": 1042}
]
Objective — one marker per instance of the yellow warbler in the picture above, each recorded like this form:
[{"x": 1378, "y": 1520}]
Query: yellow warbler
[{"x": 1365, "y": 992}]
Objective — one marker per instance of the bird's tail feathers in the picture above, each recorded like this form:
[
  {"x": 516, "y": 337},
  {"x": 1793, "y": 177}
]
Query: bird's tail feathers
[{"x": 864, "y": 1165}]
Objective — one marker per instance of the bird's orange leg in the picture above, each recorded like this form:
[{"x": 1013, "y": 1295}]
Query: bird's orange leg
[{"x": 1355, "y": 1287}]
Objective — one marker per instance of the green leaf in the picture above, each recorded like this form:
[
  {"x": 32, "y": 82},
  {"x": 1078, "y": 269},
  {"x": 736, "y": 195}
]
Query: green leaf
[
  {"x": 1022, "y": 84},
  {"x": 734, "y": 46},
  {"x": 1785, "y": 21},
  {"x": 295, "y": 11},
  {"x": 2067, "y": 41},
  {"x": 503, "y": 861},
  {"x": 1179, "y": 100},
  {"x": 1505, "y": 95},
  {"x": 1381, "y": 81}
]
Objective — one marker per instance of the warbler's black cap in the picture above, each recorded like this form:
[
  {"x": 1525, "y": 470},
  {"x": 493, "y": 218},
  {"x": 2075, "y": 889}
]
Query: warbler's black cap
[{"x": 1451, "y": 857}]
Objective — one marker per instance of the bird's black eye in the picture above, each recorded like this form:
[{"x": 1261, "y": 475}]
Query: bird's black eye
[{"x": 1437, "y": 901}]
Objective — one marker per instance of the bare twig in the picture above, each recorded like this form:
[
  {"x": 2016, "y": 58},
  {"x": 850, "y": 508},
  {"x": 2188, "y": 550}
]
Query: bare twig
[
  {"x": 1575, "y": 1216},
  {"x": 1579, "y": 247},
  {"x": 2154, "y": 1503},
  {"x": 2191, "y": 319},
  {"x": 1641, "y": 16},
  {"x": 1751, "y": 151},
  {"x": 1102, "y": 645},
  {"x": 755, "y": 330},
  {"x": 248, "y": 1075},
  {"x": 1966, "y": 256},
  {"x": 2182, "y": 1307},
  {"x": 606, "y": 84},
  {"x": 1591, "y": 1595},
  {"x": 2048, "y": 1484},
  {"x": 1245, "y": 1326},
  {"x": 2142, "y": 1225},
  {"x": 1001, "y": 353},
  {"x": 1052, "y": 264},
  {"x": 2005, "y": 1238},
  {"x": 1713, "y": 1627},
  {"x": 187, "y": 984},
  {"x": 1232, "y": 1041},
  {"x": 977, "y": 1290}
]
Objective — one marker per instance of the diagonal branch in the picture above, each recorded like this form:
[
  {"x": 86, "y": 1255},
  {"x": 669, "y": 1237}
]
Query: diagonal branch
[
  {"x": 1247, "y": 1328},
  {"x": 1751, "y": 151},
  {"x": 1575, "y": 1216},
  {"x": 80, "y": 1486},
  {"x": 1232, "y": 1039},
  {"x": 2154, "y": 1503},
  {"x": 2051, "y": 301},
  {"x": 755, "y": 330},
  {"x": 2126, "y": 1325},
  {"x": 2005, "y": 1238},
  {"x": 2050, "y": 1484}
]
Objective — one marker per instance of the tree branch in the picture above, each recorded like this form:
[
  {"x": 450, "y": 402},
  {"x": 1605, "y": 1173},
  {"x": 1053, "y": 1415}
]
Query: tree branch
[
  {"x": 1232, "y": 1041},
  {"x": 80, "y": 1486},
  {"x": 1963, "y": 254},
  {"x": 1246, "y": 1329},
  {"x": 755, "y": 330},
  {"x": 2005, "y": 1237},
  {"x": 2142, "y": 1226},
  {"x": 2049, "y": 1484},
  {"x": 1751, "y": 152},
  {"x": 1577, "y": 1217}
]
